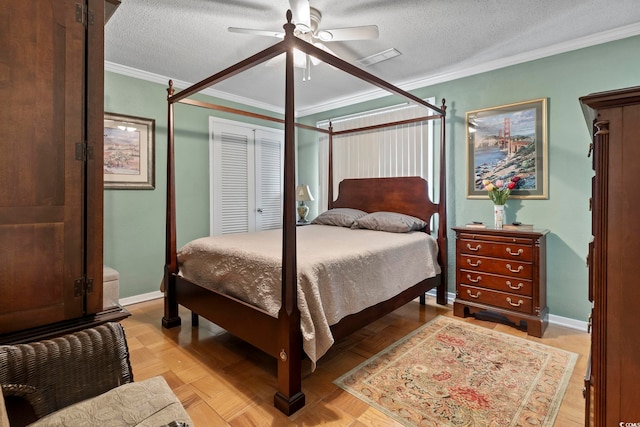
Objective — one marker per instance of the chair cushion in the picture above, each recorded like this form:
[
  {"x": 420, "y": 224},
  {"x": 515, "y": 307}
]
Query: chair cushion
[{"x": 147, "y": 403}]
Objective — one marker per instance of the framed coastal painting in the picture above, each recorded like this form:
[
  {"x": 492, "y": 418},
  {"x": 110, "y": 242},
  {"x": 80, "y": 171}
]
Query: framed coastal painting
[
  {"x": 129, "y": 152},
  {"x": 508, "y": 141}
]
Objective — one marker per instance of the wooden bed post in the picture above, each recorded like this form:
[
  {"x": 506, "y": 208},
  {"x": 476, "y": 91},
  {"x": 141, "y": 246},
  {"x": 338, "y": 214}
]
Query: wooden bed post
[
  {"x": 289, "y": 397},
  {"x": 171, "y": 317},
  {"x": 330, "y": 177},
  {"x": 441, "y": 291},
  {"x": 282, "y": 336}
]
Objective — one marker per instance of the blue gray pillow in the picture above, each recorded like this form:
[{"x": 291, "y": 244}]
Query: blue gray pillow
[
  {"x": 341, "y": 217},
  {"x": 390, "y": 221}
]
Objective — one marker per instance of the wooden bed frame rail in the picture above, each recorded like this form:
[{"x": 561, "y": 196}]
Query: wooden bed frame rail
[{"x": 281, "y": 337}]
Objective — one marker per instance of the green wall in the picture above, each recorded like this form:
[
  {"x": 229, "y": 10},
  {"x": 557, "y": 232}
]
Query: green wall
[
  {"x": 562, "y": 79},
  {"x": 134, "y": 219}
]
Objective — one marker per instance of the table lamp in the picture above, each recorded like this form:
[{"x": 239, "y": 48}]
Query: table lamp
[{"x": 303, "y": 195}]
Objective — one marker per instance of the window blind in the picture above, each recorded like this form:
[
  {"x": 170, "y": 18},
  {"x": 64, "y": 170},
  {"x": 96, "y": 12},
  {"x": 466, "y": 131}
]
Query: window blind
[{"x": 402, "y": 150}]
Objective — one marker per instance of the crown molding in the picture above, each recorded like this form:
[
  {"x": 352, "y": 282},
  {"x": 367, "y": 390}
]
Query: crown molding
[
  {"x": 579, "y": 43},
  {"x": 164, "y": 80}
]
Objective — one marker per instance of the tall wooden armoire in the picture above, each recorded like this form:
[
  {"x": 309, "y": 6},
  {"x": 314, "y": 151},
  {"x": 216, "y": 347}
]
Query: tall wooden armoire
[
  {"x": 51, "y": 137},
  {"x": 613, "y": 385}
]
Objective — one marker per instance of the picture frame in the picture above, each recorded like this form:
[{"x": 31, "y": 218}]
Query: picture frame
[
  {"x": 506, "y": 141},
  {"x": 129, "y": 152}
]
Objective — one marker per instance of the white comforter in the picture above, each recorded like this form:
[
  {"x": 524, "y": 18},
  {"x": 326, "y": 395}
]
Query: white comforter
[{"x": 340, "y": 271}]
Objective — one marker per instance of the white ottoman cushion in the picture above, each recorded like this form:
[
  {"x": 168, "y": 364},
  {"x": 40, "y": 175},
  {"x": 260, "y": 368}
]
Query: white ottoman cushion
[{"x": 110, "y": 287}]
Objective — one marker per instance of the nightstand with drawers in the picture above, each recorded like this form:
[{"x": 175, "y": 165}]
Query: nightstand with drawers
[{"x": 502, "y": 272}]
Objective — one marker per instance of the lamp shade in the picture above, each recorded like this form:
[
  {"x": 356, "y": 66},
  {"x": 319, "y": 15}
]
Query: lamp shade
[{"x": 303, "y": 194}]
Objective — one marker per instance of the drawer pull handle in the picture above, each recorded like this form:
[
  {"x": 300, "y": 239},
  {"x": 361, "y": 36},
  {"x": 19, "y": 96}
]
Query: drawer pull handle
[
  {"x": 476, "y": 249},
  {"x": 520, "y": 302},
  {"x": 477, "y": 264},
  {"x": 515, "y": 288},
  {"x": 472, "y": 295},
  {"x": 515, "y": 270},
  {"x": 518, "y": 253},
  {"x": 476, "y": 280}
]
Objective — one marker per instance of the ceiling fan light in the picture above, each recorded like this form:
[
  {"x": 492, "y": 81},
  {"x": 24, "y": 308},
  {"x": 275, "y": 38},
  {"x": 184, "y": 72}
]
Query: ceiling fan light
[
  {"x": 299, "y": 59},
  {"x": 303, "y": 28},
  {"x": 325, "y": 35}
]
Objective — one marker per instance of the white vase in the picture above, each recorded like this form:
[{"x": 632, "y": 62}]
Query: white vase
[
  {"x": 303, "y": 210},
  {"x": 499, "y": 217}
]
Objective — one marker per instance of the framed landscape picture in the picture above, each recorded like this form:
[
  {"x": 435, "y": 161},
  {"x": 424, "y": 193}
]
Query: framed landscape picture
[
  {"x": 129, "y": 152},
  {"x": 507, "y": 141}
]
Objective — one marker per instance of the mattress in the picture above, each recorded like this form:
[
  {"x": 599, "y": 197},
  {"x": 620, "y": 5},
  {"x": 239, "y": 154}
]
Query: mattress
[{"x": 341, "y": 271}]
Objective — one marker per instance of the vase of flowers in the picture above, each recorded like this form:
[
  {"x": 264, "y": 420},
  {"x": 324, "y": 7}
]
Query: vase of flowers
[
  {"x": 499, "y": 193},
  {"x": 499, "y": 216}
]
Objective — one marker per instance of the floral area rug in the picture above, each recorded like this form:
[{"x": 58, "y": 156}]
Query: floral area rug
[{"x": 452, "y": 373}]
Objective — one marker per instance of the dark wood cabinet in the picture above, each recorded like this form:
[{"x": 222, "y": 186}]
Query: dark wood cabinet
[
  {"x": 51, "y": 137},
  {"x": 502, "y": 272},
  {"x": 612, "y": 383}
]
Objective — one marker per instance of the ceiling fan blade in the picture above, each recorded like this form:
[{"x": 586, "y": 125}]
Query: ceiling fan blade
[
  {"x": 301, "y": 14},
  {"x": 256, "y": 32},
  {"x": 366, "y": 32}
]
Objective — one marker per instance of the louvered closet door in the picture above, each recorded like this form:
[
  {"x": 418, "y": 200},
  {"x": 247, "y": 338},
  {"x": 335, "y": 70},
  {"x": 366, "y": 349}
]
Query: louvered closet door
[
  {"x": 269, "y": 176},
  {"x": 232, "y": 149},
  {"x": 246, "y": 178}
]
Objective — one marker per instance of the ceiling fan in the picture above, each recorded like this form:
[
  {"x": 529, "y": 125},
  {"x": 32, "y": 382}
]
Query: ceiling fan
[{"x": 307, "y": 20}]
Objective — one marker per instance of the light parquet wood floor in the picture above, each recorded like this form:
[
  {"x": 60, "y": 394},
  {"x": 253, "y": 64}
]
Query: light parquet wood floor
[{"x": 222, "y": 381}]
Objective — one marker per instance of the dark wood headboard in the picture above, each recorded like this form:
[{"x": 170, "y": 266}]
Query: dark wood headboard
[{"x": 407, "y": 195}]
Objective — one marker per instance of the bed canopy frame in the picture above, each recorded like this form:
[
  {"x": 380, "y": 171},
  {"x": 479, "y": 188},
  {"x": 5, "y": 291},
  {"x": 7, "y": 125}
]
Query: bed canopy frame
[{"x": 256, "y": 326}]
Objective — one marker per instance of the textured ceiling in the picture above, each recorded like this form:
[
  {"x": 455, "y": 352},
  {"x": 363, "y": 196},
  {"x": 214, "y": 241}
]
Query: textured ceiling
[{"x": 187, "y": 40}]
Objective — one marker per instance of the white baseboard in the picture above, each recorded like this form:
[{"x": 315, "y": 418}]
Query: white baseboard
[
  {"x": 141, "y": 298},
  {"x": 553, "y": 319},
  {"x": 567, "y": 322}
]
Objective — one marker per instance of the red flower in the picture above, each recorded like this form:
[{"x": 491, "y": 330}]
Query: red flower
[{"x": 499, "y": 192}]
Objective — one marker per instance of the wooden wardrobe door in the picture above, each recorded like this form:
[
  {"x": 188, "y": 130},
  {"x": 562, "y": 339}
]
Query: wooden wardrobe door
[
  {"x": 95, "y": 144},
  {"x": 623, "y": 304},
  {"x": 41, "y": 181},
  {"x": 614, "y": 267}
]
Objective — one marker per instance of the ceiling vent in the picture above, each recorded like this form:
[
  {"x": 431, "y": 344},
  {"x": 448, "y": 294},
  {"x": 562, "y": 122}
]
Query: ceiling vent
[{"x": 379, "y": 57}]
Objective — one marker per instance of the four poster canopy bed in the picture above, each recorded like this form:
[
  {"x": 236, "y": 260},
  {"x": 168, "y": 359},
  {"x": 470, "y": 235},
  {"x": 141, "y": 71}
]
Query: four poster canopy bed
[{"x": 347, "y": 272}]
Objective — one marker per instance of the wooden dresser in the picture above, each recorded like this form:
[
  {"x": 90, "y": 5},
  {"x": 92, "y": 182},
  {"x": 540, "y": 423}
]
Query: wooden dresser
[
  {"x": 613, "y": 382},
  {"x": 502, "y": 272}
]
